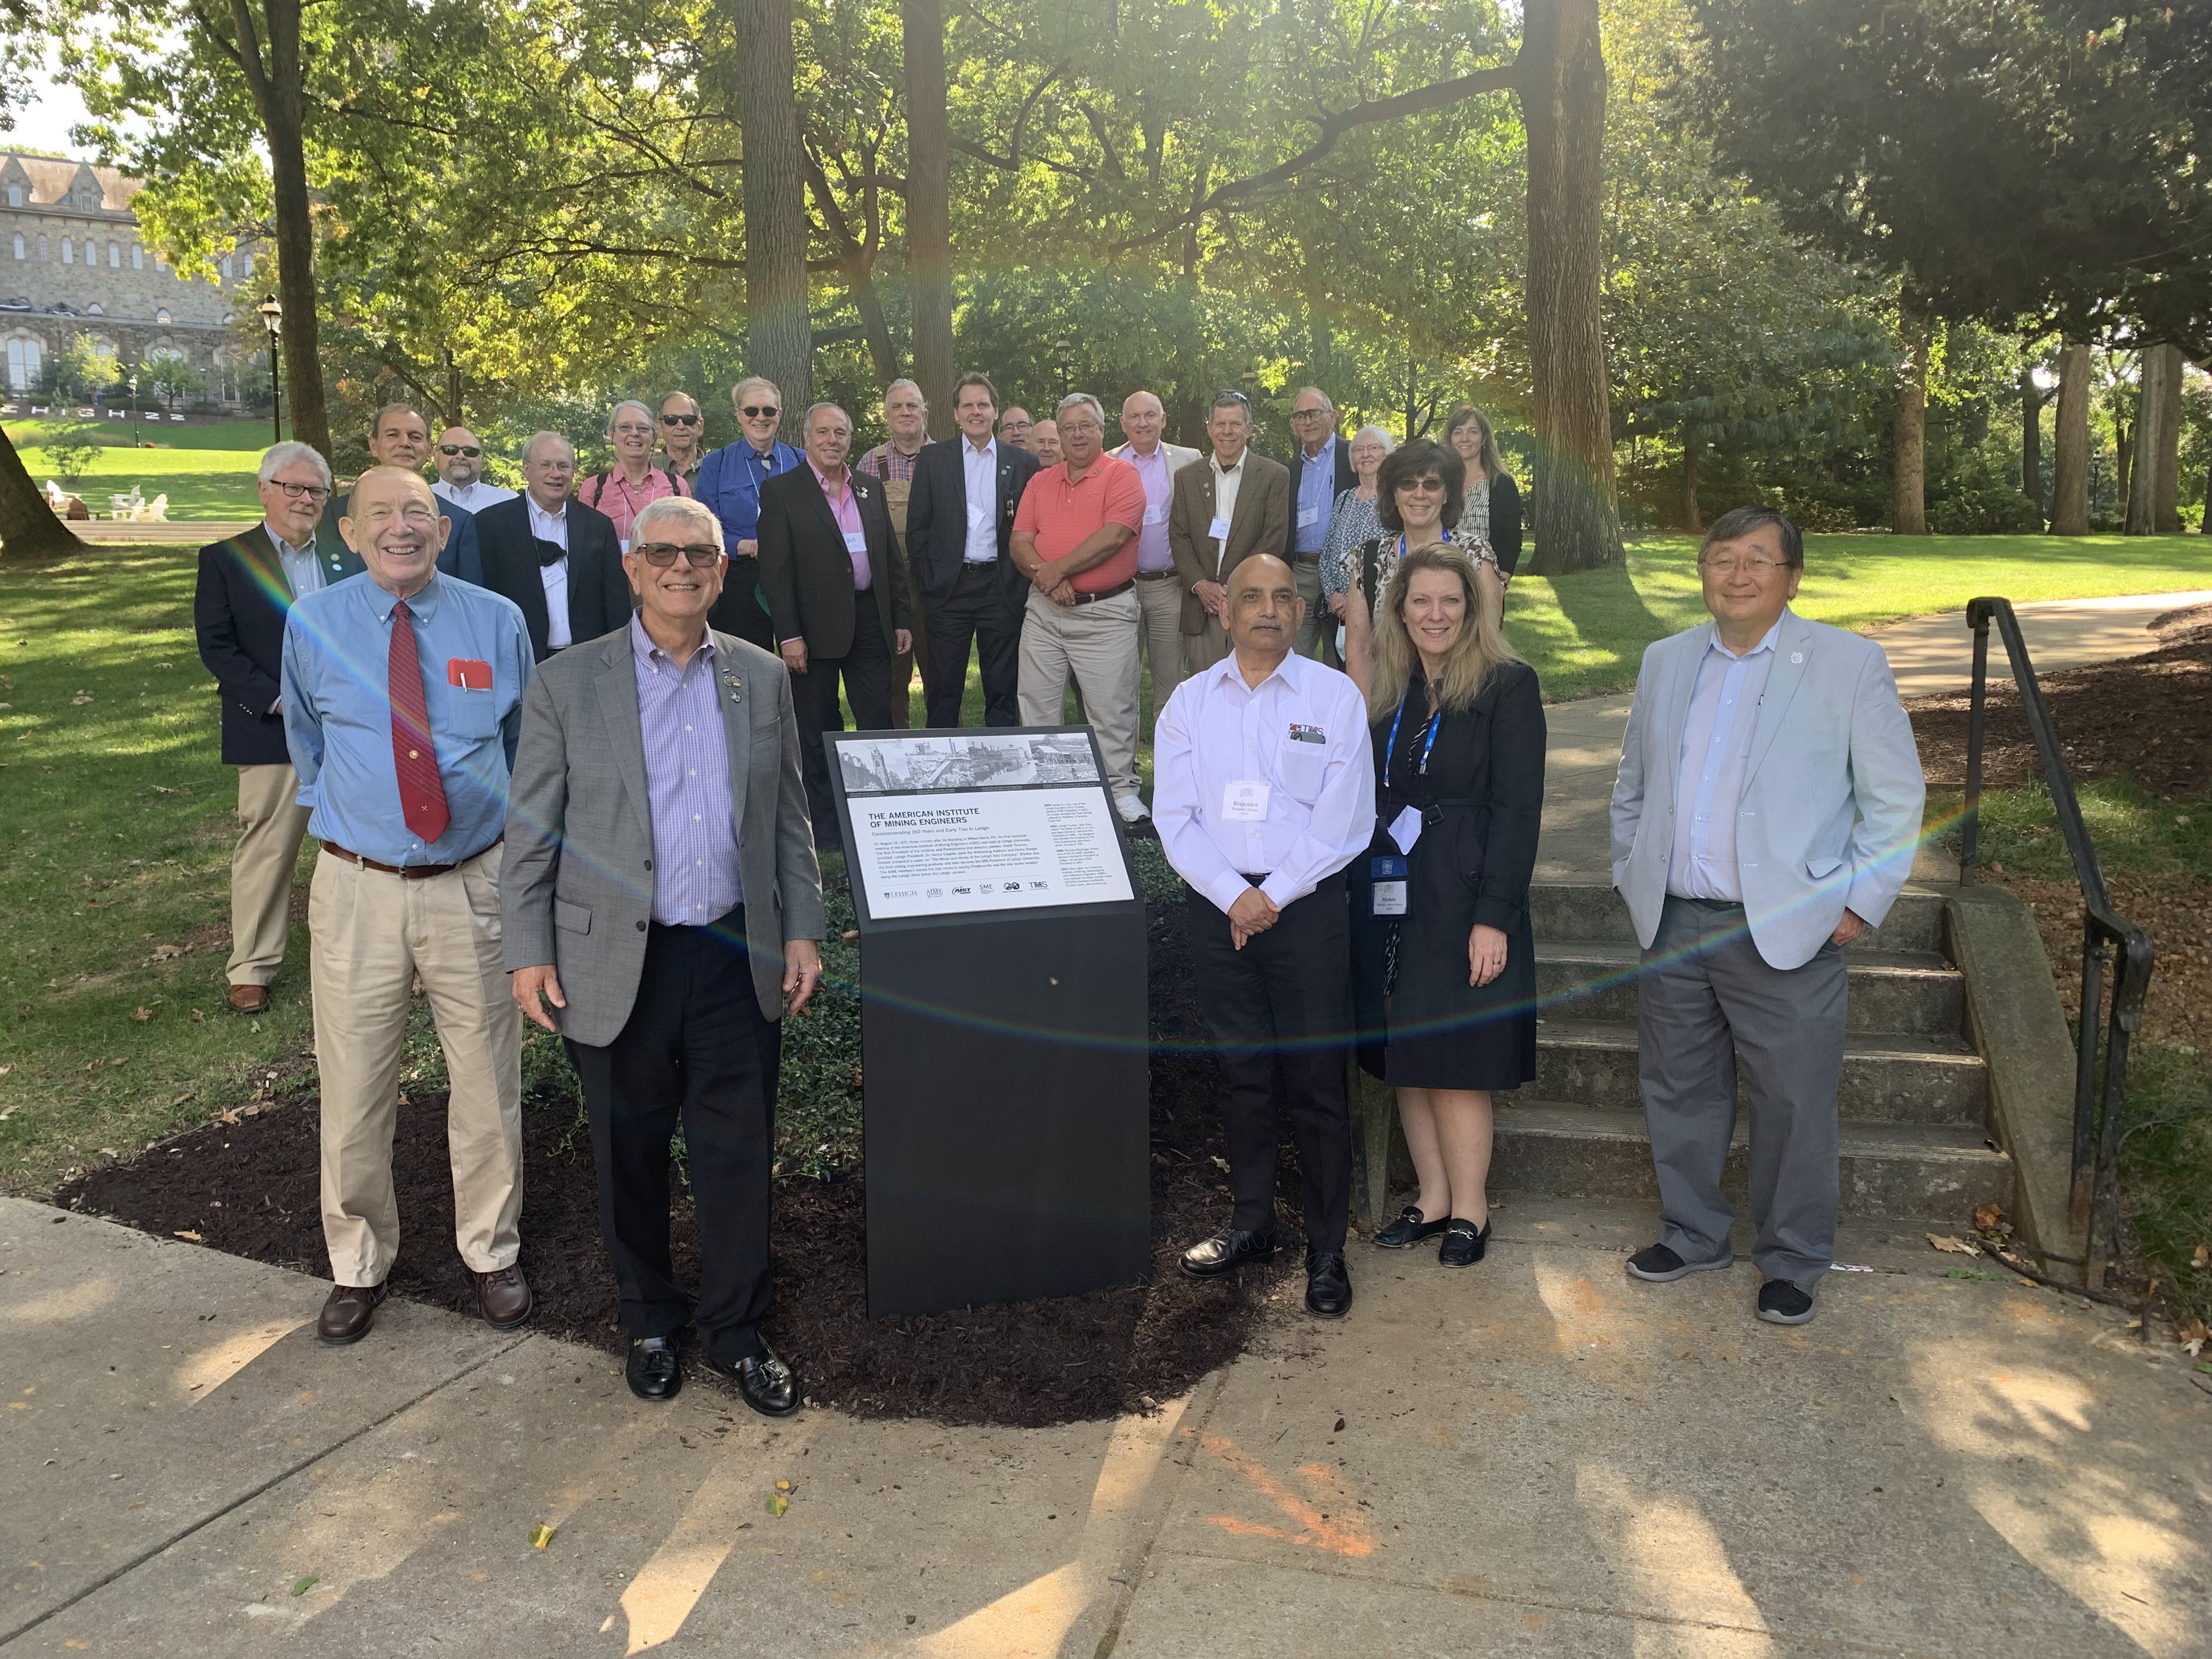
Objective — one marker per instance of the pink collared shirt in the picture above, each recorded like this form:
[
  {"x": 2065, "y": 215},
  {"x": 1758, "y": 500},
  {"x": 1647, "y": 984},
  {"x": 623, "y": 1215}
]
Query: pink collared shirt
[{"x": 845, "y": 507}]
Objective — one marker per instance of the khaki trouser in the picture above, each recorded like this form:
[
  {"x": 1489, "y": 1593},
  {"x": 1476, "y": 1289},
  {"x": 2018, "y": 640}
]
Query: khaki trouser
[
  {"x": 1201, "y": 650},
  {"x": 271, "y": 825},
  {"x": 1161, "y": 632},
  {"x": 1313, "y": 641},
  {"x": 1097, "y": 644},
  {"x": 372, "y": 935}
]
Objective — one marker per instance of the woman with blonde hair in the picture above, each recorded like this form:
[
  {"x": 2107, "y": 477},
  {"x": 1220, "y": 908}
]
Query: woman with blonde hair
[{"x": 1443, "y": 958}]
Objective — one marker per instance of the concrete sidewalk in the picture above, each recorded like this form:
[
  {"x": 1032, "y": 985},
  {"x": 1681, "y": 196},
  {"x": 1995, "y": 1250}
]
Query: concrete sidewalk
[{"x": 1535, "y": 1457}]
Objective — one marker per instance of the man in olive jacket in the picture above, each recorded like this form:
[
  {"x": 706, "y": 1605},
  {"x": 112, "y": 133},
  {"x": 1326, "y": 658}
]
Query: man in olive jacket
[{"x": 1226, "y": 509}]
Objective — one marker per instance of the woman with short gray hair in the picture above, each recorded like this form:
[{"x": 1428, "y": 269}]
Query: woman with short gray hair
[
  {"x": 1352, "y": 520},
  {"x": 624, "y": 489}
]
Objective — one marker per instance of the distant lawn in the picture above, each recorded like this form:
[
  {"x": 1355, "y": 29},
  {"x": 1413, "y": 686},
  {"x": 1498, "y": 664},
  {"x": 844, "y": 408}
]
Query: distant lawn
[{"x": 206, "y": 470}]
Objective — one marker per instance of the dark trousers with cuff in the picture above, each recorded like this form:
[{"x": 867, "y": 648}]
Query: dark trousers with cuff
[
  {"x": 977, "y": 609},
  {"x": 1278, "y": 1012},
  {"x": 696, "y": 1051},
  {"x": 865, "y": 670}
]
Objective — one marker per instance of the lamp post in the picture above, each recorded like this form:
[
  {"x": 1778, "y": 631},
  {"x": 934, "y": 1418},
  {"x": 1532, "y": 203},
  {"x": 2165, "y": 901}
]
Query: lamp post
[
  {"x": 134, "y": 397},
  {"x": 1063, "y": 352},
  {"x": 272, "y": 318}
]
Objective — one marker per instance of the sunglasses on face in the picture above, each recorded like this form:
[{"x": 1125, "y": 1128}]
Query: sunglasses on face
[
  {"x": 295, "y": 491},
  {"x": 760, "y": 411},
  {"x": 1428, "y": 485},
  {"x": 700, "y": 556},
  {"x": 470, "y": 449},
  {"x": 680, "y": 420}
]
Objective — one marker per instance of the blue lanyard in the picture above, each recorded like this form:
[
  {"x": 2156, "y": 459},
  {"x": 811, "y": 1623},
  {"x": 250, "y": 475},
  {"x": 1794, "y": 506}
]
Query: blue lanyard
[
  {"x": 1391, "y": 753},
  {"x": 1401, "y": 554}
]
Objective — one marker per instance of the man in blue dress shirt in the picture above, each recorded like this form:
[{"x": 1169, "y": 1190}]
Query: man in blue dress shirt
[
  {"x": 402, "y": 701},
  {"x": 729, "y": 483}
]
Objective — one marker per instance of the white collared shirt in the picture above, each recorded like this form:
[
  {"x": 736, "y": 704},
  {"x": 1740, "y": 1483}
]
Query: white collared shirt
[
  {"x": 1302, "y": 732},
  {"x": 303, "y": 572},
  {"x": 1225, "y": 487},
  {"x": 553, "y": 527},
  {"x": 1717, "y": 737},
  {"x": 980, "y": 468},
  {"x": 475, "y": 498}
]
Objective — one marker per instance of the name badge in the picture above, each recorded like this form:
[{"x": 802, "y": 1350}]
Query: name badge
[
  {"x": 1156, "y": 515},
  {"x": 1406, "y": 829},
  {"x": 468, "y": 673},
  {"x": 856, "y": 541},
  {"x": 1308, "y": 517},
  {"x": 1388, "y": 871},
  {"x": 1245, "y": 801},
  {"x": 1219, "y": 530}
]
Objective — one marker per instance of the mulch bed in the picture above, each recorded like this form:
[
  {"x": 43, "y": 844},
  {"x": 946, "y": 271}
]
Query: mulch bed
[{"x": 250, "y": 1189}]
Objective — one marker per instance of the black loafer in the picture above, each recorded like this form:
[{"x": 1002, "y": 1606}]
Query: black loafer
[
  {"x": 1781, "y": 1303},
  {"x": 1229, "y": 1248},
  {"x": 1328, "y": 1287},
  {"x": 655, "y": 1370},
  {"x": 765, "y": 1381},
  {"x": 1463, "y": 1246},
  {"x": 1409, "y": 1230}
]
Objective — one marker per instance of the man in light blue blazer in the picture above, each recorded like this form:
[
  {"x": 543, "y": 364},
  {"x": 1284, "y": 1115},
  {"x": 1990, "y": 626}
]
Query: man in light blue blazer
[{"x": 1767, "y": 813}]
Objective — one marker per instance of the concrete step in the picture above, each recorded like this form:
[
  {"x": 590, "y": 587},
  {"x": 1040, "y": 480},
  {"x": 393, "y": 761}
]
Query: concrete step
[
  {"x": 1901, "y": 1170},
  {"x": 1893, "y": 1078},
  {"x": 1914, "y": 992},
  {"x": 1591, "y": 912}
]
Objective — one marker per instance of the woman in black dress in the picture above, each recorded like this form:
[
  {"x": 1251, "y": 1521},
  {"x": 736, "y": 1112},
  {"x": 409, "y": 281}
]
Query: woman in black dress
[{"x": 1444, "y": 971}]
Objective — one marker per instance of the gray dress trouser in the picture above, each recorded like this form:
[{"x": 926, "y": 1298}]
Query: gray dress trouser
[{"x": 1709, "y": 1003}]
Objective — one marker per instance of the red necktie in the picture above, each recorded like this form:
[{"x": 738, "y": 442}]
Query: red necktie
[{"x": 422, "y": 794}]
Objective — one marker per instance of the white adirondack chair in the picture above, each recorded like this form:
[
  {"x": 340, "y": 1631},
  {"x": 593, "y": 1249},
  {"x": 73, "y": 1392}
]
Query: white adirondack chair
[{"x": 154, "y": 512}]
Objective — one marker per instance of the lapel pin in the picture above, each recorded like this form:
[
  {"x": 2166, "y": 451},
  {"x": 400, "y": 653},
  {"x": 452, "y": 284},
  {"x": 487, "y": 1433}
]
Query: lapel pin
[{"x": 1797, "y": 656}]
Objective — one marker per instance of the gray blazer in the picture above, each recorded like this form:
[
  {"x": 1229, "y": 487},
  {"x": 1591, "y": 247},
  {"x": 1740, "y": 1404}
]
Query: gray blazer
[
  {"x": 576, "y": 884},
  {"x": 1832, "y": 792}
]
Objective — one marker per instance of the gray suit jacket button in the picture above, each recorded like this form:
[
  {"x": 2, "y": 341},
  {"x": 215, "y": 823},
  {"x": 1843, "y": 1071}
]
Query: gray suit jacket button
[{"x": 641, "y": 928}]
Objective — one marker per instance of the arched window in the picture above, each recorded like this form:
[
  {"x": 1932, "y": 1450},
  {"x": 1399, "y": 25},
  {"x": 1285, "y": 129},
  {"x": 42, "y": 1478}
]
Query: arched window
[
  {"x": 19, "y": 245},
  {"x": 95, "y": 309},
  {"x": 224, "y": 267},
  {"x": 162, "y": 315},
  {"x": 137, "y": 256},
  {"x": 26, "y": 362},
  {"x": 69, "y": 252},
  {"x": 115, "y": 256},
  {"x": 42, "y": 250}
]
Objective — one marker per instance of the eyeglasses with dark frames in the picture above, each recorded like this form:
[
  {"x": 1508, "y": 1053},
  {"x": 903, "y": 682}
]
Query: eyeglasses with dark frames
[
  {"x": 700, "y": 556},
  {"x": 295, "y": 491}
]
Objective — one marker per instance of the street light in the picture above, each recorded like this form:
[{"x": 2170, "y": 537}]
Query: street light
[
  {"x": 134, "y": 397},
  {"x": 1063, "y": 352},
  {"x": 272, "y": 318}
]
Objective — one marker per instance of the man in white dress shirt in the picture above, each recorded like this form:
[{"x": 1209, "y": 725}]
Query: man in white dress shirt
[
  {"x": 1160, "y": 594},
  {"x": 1263, "y": 791},
  {"x": 458, "y": 458},
  {"x": 558, "y": 559}
]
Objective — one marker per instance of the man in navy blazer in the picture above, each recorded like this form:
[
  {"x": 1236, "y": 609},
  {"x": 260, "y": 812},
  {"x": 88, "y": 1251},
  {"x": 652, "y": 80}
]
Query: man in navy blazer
[
  {"x": 247, "y": 584},
  {"x": 399, "y": 436},
  {"x": 959, "y": 542}
]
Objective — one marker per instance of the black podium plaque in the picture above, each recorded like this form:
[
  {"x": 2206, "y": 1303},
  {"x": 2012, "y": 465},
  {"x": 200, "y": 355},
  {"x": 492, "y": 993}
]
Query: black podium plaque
[{"x": 1002, "y": 1017}]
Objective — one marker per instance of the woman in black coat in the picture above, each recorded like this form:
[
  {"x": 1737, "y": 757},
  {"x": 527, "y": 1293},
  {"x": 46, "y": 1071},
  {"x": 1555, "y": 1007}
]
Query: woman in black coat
[
  {"x": 1492, "y": 509},
  {"x": 1444, "y": 971}
]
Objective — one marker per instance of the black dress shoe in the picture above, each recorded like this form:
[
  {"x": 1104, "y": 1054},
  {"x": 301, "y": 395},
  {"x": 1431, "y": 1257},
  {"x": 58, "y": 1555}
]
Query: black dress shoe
[
  {"x": 655, "y": 1370},
  {"x": 1463, "y": 1245},
  {"x": 1409, "y": 1230},
  {"x": 765, "y": 1381},
  {"x": 1328, "y": 1287},
  {"x": 1229, "y": 1248}
]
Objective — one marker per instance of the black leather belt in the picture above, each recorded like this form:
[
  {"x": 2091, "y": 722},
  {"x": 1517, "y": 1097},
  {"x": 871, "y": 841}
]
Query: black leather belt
[
  {"x": 1103, "y": 593},
  {"x": 1156, "y": 575},
  {"x": 404, "y": 871}
]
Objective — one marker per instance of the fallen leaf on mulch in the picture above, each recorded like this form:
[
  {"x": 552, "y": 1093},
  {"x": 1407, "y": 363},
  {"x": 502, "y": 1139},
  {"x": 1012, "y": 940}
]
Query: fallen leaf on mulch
[
  {"x": 1989, "y": 1218},
  {"x": 2194, "y": 1335},
  {"x": 540, "y": 1536},
  {"x": 195, "y": 1239},
  {"x": 1955, "y": 1246}
]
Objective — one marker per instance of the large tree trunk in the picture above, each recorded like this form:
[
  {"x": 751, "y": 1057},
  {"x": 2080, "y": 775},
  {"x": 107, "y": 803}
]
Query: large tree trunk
[
  {"x": 2030, "y": 439},
  {"x": 929, "y": 208},
  {"x": 2154, "y": 495},
  {"x": 779, "y": 334},
  {"x": 1908, "y": 498},
  {"x": 27, "y": 526},
  {"x": 1693, "y": 517},
  {"x": 1574, "y": 517},
  {"x": 2069, "y": 445}
]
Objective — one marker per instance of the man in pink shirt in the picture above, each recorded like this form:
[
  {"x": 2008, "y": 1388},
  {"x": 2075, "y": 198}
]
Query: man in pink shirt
[{"x": 1075, "y": 538}]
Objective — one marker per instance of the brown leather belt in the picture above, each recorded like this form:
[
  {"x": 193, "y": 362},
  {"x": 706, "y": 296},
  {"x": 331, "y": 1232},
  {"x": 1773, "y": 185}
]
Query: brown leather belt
[
  {"x": 404, "y": 871},
  {"x": 1103, "y": 593},
  {"x": 1156, "y": 575}
]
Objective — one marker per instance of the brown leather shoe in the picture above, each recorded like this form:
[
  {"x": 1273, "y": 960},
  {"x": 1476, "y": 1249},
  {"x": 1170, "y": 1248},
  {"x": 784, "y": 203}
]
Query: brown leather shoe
[
  {"x": 249, "y": 998},
  {"x": 503, "y": 1298},
  {"x": 348, "y": 1313}
]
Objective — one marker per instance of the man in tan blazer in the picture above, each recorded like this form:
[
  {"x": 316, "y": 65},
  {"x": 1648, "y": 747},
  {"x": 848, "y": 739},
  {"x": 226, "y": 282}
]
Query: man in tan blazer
[
  {"x": 1234, "y": 505},
  {"x": 1159, "y": 588}
]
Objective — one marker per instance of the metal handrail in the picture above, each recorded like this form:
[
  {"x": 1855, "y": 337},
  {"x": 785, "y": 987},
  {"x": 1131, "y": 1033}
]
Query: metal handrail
[{"x": 2093, "y": 1208}]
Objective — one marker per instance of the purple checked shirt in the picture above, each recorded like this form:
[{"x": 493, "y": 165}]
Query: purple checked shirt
[{"x": 687, "y": 783}]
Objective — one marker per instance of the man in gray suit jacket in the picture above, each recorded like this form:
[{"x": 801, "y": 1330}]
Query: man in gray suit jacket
[
  {"x": 1767, "y": 811},
  {"x": 661, "y": 900}
]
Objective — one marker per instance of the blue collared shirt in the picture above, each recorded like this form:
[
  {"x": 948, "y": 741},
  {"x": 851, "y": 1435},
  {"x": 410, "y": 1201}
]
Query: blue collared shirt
[
  {"x": 1316, "y": 495},
  {"x": 337, "y": 713},
  {"x": 687, "y": 783},
  {"x": 1716, "y": 750},
  {"x": 729, "y": 483}
]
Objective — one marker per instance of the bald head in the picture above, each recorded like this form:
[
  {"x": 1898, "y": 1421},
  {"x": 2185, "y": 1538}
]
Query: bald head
[
  {"x": 1264, "y": 612},
  {"x": 392, "y": 521},
  {"x": 1142, "y": 420}
]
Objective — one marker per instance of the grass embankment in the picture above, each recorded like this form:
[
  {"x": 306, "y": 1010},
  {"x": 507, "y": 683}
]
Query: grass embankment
[{"x": 206, "y": 469}]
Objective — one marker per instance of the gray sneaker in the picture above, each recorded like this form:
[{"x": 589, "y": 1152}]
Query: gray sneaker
[{"x": 1661, "y": 1265}]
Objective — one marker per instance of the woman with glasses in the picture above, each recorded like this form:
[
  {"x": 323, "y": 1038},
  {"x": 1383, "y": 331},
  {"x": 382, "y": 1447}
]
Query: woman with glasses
[
  {"x": 683, "y": 437},
  {"x": 1443, "y": 958},
  {"x": 624, "y": 489},
  {"x": 1493, "y": 500},
  {"x": 1417, "y": 501},
  {"x": 1353, "y": 522},
  {"x": 729, "y": 483}
]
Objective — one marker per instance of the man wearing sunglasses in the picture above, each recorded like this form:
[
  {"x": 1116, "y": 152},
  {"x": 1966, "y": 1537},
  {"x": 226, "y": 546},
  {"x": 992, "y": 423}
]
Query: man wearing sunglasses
[
  {"x": 729, "y": 483},
  {"x": 661, "y": 900},
  {"x": 683, "y": 438},
  {"x": 460, "y": 480}
]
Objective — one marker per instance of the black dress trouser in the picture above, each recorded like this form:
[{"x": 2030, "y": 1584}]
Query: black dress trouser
[
  {"x": 695, "y": 1051},
  {"x": 1277, "y": 1009},
  {"x": 977, "y": 609},
  {"x": 865, "y": 669},
  {"x": 740, "y": 611}
]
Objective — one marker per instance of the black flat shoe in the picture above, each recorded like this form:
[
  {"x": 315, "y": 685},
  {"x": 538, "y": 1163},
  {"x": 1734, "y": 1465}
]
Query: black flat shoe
[
  {"x": 1463, "y": 1246},
  {"x": 1229, "y": 1248},
  {"x": 1328, "y": 1287},
  {"x": 765, "y": 1381},
  {"x": 1409, "y": 1230},
  {"x": 655, "y": 1370}
]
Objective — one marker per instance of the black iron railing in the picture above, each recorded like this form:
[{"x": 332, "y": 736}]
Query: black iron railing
[{"x": 2093, "y": 1210}]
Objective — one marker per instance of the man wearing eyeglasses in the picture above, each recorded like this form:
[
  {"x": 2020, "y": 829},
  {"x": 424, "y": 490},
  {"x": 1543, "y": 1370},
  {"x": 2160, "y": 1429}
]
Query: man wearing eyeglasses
[
  {"x": 682, "y": 432},
  {"x": 729, "y": 483},
  {"x": 246, "y": 585},
  {"x": 1321, "y": 470},
  {"x": 662, "y": 902},
  {"x": 399, "y": 436},
  {"x": 1015, "y": 427},
  {"x": 1767, "y": 813},
  {"x": 460, "y": 480}
]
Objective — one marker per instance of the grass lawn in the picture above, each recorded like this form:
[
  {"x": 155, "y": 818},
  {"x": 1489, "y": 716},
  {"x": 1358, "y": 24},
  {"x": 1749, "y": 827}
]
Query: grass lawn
[{"x": 206, "y": 469}]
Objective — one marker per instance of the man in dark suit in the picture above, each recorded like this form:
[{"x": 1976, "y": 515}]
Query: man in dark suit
[
  {"x": 834, "y": 597},
  {"x": 399, "y": 436},
  {"x": 959, "y": 529},
  {"x": 247, "y": 584},
  {"x": 557, "y": 558},
  {"x": 1321, "y": 470}
]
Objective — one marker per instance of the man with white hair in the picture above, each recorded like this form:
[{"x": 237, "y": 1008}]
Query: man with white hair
[
  {"x": 460, "y": 480},
  {"x": 558, "y": 559},
  {"x": 1321, "y": 470},
  {"x": 246, "y": 587},
  {"x": 729, "y": 483},
  {"x": 624, "y": 489},
  {"x": 906, "y": 418},
  {"x": 1160, "y": 594},
  {"x": 399, "y": 436}
]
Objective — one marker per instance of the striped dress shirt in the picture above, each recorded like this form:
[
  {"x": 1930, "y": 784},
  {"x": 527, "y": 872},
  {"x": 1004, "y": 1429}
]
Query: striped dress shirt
[{"x": 687, "y": 783}]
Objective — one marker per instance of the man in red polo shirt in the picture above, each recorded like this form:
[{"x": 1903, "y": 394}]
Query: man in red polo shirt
[{"x": 1075, "y": 538}]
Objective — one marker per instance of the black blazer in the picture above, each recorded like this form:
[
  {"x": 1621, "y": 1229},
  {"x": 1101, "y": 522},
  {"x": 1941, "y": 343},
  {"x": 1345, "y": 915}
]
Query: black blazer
[
  {"x": 460, "y": 556},
  {"x": 238, "y": 612},
  {"x": 937, "y": 516},
  {"x": 1505, "y": 522},
  {"x": 1347, "y": 477},
  {"x": 598, "y": 590},
  {"x": 806, "y": 572}
]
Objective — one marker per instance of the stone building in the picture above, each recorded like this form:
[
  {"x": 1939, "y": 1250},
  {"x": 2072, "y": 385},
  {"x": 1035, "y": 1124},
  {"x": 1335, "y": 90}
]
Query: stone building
[{"x": 72, "y": 264}]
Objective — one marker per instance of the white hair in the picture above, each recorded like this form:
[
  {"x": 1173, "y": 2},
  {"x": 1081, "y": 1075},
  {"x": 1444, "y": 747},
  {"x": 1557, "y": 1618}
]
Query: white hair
[
  {"x": 615, "y": 414},
  {"x": 738, "y": 392},
  {"x": 1380, "y": 435},
  {"x": 904, "y": 385},
  {"x": 1084, "y": 398},
  {"x": 697, "y": 513},
  {"x": 812, "y": 410},
  {"x": 1326, "y": 402},
  {"x": 529, "y": 445},
  {"x": 278, "y": 457}
]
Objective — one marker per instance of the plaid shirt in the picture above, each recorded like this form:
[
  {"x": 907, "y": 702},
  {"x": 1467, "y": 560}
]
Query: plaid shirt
[{"x": 890, "y": 463}]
